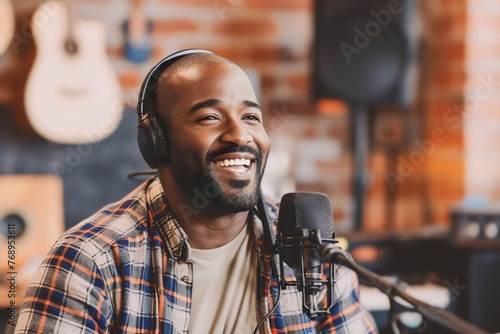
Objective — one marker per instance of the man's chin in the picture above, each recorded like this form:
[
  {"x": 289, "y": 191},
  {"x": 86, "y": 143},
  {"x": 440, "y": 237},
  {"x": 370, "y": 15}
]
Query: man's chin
[
  {"x": 240, "y": 184},
  {"x": 241, "y": 196},
  {"x": 237, "y": 202}
]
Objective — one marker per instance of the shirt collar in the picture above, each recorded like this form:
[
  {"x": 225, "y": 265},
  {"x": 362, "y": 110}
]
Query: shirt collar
[{"x": 173, "y": 236}]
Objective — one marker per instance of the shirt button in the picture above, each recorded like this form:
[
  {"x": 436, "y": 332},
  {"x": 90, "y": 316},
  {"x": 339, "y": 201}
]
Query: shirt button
[{"x": 185, "y": 279}]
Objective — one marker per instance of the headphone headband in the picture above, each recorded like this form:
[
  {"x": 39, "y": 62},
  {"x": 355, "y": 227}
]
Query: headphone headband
[{"x": 154, "y": 74}]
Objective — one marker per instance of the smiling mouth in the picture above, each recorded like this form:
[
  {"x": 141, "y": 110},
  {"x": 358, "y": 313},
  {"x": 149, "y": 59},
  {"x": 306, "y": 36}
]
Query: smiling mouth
[{"x": 239, "y": 166}]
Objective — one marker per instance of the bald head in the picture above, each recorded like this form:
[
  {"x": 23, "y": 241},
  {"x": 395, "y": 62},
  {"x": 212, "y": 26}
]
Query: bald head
[{"x": 167, "y": 94}]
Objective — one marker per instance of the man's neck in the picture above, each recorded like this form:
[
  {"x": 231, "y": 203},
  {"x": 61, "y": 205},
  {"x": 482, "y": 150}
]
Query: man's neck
[
  {"x": 206, "y": 228},
  {"x": 214, "y": 232}
]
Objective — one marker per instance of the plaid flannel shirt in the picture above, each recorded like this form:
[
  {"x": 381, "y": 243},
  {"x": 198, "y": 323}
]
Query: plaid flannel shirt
[{"x": 126, "y": 269}]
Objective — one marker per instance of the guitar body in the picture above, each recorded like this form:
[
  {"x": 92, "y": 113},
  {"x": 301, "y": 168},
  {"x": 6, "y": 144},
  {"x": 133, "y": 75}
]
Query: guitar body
[
  {"x": 7, "y": 22},
  {"x": 71, "y": 98}
]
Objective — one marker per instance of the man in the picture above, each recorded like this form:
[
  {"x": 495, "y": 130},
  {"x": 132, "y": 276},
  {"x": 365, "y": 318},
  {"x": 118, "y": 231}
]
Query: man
[{"x": 185, "y": 251}]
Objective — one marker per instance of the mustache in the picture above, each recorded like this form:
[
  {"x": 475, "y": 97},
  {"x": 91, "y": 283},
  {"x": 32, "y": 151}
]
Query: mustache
[{"x": 238, "y": 149}]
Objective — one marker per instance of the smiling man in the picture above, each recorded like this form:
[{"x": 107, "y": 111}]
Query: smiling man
[{"x": 184, "y": 252}]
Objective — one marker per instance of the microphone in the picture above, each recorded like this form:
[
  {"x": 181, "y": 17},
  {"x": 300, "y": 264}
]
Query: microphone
[{"x": 305, "y": 223}]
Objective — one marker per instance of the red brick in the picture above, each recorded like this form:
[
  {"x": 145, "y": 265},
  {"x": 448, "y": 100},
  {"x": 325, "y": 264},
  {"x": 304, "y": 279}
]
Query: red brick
[
  {"x": 235, "y": 54},
  {"x": 332, "y": 107},
  {"x": 450, "y": 137},
  {"x": 271, "y": 53},
  {"x": 448, "y": 78},
  {"x": 200, "y": 3},
  {"x": 318, "y": 187},
  {"x": 408, "y": 213},
  {"x": 339, "y": 128},
  {"x": 279, "y": 4},
  {"x": 264, "y": 53},
  {"x": 247, "y": 27},
  {"x": 292, "y": 107},
  {"x": 448, "y": 7},
  {"x": 447, "y": 52},
  {"x": 268, "y": 81},
  {"x": 444, "y": 165},
  {"x": 129, "y": 79},
  {"x": 300, "y": 82},
  {"x": 175, "y": 26},
  {"x": 374, "y": 214},
  {"x": 443, "y": 113},
  {"x": 448, "y": 25}
]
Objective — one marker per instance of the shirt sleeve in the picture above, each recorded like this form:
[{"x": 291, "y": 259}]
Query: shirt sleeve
[
  {"x": 67, "y": 295},
  {"x": 347, "y": 315}
]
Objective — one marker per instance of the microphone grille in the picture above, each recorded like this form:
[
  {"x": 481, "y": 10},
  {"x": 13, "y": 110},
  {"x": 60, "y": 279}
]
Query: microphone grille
[{"x": 305, "y": 210}]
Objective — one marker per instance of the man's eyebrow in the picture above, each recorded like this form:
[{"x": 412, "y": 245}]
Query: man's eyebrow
[
  {"x": 252, "y": 104},
  {"x": 214, "y": 102},
  {"x": 204, "y": 104}
]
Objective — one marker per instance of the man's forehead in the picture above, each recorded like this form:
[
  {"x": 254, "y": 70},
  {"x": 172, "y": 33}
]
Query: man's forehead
[{"x": 196, "y": 61}]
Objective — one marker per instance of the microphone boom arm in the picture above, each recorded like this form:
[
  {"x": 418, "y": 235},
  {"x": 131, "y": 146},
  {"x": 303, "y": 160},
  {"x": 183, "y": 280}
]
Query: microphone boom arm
[{"x": 332, "y": 253}]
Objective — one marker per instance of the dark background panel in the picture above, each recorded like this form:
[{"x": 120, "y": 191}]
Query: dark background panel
[{"x": 93, "y": 174}]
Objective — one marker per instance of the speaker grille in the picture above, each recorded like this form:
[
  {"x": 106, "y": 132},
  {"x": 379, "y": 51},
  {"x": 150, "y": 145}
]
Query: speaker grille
[
  {"x": 305, "y": 210},
  {"x": 478, "y": 229}
]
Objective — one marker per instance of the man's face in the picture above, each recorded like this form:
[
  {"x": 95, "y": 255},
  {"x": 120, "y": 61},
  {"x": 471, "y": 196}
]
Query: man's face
[{"x": 217, "y": 141}]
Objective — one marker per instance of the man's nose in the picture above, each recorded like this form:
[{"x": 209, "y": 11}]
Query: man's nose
[{"x": 236, "y": 133}]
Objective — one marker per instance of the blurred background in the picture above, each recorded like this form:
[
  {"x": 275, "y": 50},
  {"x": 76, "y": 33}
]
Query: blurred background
[{"x": 390, "y": 107}]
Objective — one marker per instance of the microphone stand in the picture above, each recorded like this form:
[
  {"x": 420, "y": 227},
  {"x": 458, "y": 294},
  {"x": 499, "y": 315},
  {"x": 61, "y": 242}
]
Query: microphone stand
[{"x": 334, "y": 254}]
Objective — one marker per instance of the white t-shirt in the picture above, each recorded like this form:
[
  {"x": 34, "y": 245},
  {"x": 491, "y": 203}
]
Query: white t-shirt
[{"x": 225, "y": 287}]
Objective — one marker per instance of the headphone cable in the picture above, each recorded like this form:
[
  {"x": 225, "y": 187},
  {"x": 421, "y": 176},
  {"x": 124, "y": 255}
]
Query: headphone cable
[{"x": 133, "y": 175}]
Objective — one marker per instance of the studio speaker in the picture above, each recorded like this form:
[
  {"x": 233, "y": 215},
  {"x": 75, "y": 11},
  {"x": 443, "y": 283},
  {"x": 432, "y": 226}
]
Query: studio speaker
[
  {"x": 31, "y": 219},
  {"x": 477, "y": 231},
  {"x": 484, "y": 293},
  {"x": 365, "y": 51}
]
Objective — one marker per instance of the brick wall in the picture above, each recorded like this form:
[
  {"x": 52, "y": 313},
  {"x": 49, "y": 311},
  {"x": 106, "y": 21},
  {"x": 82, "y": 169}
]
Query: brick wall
[
  {"x": 447, "y": 150},
  {"x": 444, "y": 79},
  {"x": 274, "y": 38},
  {"x": 481, "y": 112}
]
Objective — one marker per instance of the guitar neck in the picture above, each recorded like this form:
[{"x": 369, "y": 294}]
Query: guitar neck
[{"x": 70, "y": 45}]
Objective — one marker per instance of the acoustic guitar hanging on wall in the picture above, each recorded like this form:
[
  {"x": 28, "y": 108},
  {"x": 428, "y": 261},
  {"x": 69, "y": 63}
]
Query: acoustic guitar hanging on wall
[{"x": 72, "y": 95}]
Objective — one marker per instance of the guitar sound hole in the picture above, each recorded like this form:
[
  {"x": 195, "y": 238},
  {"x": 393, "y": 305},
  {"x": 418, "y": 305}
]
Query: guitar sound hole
[
  {"x": 12, "y": 225},
  {"x": 71, "y": 47}
]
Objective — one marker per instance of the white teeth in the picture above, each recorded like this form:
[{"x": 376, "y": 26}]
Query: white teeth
[{"x": 233, "y": 162}]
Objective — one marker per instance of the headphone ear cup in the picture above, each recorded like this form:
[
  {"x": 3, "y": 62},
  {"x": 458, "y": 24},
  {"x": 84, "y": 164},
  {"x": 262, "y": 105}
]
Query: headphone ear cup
[{"x": 152, "y": 141}]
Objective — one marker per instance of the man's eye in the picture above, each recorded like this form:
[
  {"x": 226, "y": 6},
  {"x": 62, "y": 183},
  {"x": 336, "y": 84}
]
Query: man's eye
[
  {"x": 209, "y": 118},
  {"x": 252, "y": 118}
]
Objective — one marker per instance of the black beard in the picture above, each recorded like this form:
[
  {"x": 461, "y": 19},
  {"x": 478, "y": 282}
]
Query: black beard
[{"x": 197, "y": 181}]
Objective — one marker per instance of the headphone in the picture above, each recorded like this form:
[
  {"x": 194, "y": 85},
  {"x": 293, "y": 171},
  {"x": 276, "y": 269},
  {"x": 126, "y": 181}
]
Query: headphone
[{"x": 151, "y": 136}]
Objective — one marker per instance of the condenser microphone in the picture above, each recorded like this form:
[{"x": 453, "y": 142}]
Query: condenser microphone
[{"x": 305, "y": 224}]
